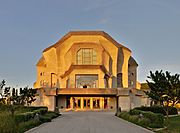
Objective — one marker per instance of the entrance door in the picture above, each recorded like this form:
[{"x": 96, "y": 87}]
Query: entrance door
[
  {"x": 86, "y": 103},
  {"x": 96, "y": 103}
]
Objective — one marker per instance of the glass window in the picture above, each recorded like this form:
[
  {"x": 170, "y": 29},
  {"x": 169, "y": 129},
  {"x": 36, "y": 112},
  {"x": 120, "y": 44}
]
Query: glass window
[
  {"x": 86, "y": 56},
  {"x": 86, "y": 81}
]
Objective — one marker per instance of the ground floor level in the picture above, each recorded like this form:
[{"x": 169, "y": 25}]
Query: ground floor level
[
  {"x": 91, "y": 99},
  {"x": 86, "y": 103}
]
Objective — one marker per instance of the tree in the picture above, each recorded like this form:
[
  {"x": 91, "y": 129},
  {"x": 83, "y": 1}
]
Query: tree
[
  {"x": 2, "y": 84},
  {"x": 27, "y": 96},
  {"x": 164, "y": 89}
]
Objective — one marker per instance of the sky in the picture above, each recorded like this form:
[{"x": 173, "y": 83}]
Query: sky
[{"x": 150, "y": 28}]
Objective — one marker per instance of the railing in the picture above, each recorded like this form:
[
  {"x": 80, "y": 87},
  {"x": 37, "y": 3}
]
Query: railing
[
  {"x": 81, "y": 91},
  {"x": 93, "y": 91}
]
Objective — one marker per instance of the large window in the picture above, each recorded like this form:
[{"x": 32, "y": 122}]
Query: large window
[
  {"x": 86, "y": 81},
  {"x": 86, "y": 56}
]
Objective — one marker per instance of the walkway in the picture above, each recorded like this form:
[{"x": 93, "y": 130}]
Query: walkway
[{"x": 89, "y": 122}]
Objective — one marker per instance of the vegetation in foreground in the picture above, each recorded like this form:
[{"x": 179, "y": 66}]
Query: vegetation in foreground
[
  {"x": 173, "y": 126},
  {"x": 153, "y": 118},
  {"x": 24, "y": 118},
  {"x": 145, "y": 119},
  {"x": 164, "y": 89},
  {"x": 16, "y": 116}
]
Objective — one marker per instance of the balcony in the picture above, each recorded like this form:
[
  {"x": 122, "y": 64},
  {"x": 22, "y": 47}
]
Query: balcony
[{"x": 81, "y": 91}]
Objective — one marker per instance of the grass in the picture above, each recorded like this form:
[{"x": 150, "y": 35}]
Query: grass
[{"x": 173, "y": 127}]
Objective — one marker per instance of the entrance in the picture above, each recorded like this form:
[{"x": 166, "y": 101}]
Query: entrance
[
  {"x": 96, "y": 103},
  {"x": 86, "y": 103},
  {"x": 83, "y": 103}
]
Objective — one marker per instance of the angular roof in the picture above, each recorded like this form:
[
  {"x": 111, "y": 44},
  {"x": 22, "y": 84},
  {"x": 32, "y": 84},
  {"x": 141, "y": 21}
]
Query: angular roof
[
  {"x": 41, "y": 62},
  {"x": 102, "y": 33},
  {"x": 132, "y": 61}
]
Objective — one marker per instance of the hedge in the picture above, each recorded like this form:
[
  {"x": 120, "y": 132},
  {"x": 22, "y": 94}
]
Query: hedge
[
  {"x": 23, "y": 117},
  {"x": 158, "y": 109},
  {"x": 143, "y": 118}
]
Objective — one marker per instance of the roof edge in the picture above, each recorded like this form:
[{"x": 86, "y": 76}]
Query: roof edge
[{"x": 102, "y": 33}]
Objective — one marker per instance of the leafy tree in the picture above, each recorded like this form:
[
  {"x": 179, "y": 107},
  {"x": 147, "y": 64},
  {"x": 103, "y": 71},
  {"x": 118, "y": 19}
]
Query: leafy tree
[
  {"x": 164, "y": 89},
  {"x": 144, "y": 86},
  {"x": 27, "y": 96},
  {"x": 2, "y": 84}
]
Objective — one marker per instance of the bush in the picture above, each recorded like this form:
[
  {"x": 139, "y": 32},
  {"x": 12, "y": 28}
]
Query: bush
[
  {"x": 158, "y": 109},
  {"x": 24, "y": 126},
  {"x": 52, "y": 115},
  {"x": 143, "y": 118},
  {"x": 23, "y": 117},
  {"x": 135, "y": 112},
  {"x": 41, "y": 111},
  {"x": 7, "y": 124},
  {"x": 44, "y": 119},
  {"x": 145, "y": 122},
  {"x": 156, "y": 120}
]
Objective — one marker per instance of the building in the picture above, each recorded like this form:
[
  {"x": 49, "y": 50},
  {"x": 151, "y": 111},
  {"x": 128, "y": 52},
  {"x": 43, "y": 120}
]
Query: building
[{"x": 88, "y": 70}]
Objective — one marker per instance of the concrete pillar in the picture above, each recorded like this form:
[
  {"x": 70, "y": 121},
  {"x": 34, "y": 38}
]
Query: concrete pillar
[
  {"x": 101, "y": 103},
  {"x": 108, "y": 103},
  {"x": 82, "y": 103},
  {"x": 91, "y": 103},
  {"x": 71, "y": 103}
]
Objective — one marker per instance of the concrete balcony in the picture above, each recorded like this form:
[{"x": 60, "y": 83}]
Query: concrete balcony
[{"x": 81, "y": 91}]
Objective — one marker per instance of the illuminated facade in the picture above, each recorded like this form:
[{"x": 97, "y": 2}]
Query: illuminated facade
[{"x": 87, "y": 70}]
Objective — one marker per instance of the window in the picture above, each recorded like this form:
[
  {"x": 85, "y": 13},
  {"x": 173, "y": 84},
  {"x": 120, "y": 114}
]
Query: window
[
  {"x": 86, "y": 56},
  {"x": 86, "y": 81}
]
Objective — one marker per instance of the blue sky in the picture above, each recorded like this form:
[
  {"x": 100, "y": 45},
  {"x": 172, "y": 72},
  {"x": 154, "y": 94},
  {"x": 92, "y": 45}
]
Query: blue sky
[{"x": 150, "y": 28}]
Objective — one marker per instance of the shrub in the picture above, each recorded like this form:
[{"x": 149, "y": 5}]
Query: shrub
[
  {"x": 143, "y": 118},
  {"x": 24, "y": 126},
  {"x": 158, "y": 109},
  {"x": 44, "y": 119},
  {"x": 52, "y": 115},
  {"x": 135, "y": 112},
  {"x": 23, "y": 117},
  {"x": 7, "y": 124},
  {"x": 156, "y": 120},
  {"x": 145, "y": 122},
  {"x": 41, "y": 111}
]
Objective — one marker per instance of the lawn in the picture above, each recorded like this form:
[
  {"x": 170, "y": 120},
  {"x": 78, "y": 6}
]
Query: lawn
[
  {"x": 174, "y": 125},
  {"x": 24, "y": 118}
]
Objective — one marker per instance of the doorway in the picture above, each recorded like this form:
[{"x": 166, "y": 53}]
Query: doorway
[{"x": 86, "y": 103}]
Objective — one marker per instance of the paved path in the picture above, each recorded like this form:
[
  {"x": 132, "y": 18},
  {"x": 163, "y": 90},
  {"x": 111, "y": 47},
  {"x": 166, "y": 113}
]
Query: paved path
[{"x": 89, "y": 122}]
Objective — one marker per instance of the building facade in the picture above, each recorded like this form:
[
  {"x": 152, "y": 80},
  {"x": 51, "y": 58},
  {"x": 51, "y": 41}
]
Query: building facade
[{"x": 88, "y": 70}]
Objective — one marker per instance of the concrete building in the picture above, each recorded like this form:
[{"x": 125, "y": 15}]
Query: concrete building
[{"x": 87, "y": 70}]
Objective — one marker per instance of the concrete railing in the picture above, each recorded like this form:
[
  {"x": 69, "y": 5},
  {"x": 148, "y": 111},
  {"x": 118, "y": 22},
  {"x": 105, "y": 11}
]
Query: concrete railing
[{"x": 80, "y": 91}]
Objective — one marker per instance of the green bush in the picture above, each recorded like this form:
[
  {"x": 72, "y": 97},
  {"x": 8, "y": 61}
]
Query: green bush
[
  {"x": 145, "y": 122},
  {"x": 24, "y": 126},
  {"x": 157, "y": 120},
  {"x": 143, "y": 118},
  {"x": 23, "y": 117},
  {"x": 52, "y": 115},
  {"x": 44, "y": 119},
  {"x": 135, "y": 112},
  {"x": 158, "y": 109},
  {"x": 41, "y": 111},
  {"x": 7, "y": 123}
]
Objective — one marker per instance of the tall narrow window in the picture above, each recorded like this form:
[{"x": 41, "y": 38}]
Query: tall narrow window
[{"x": 86, "y": 56}]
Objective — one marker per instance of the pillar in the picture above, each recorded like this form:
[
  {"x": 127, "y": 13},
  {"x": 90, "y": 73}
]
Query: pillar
[
  {"x": 71, "y": 103},
  {"x": 101, "y": 103},
  {"x": 91, "y": 103},
  {"x": 82, "y": 103}
]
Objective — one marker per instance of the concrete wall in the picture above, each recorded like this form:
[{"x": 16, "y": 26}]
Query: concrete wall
[
  {"x": 62, "y": 102},
  {"x": 57, "y": 60}
]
